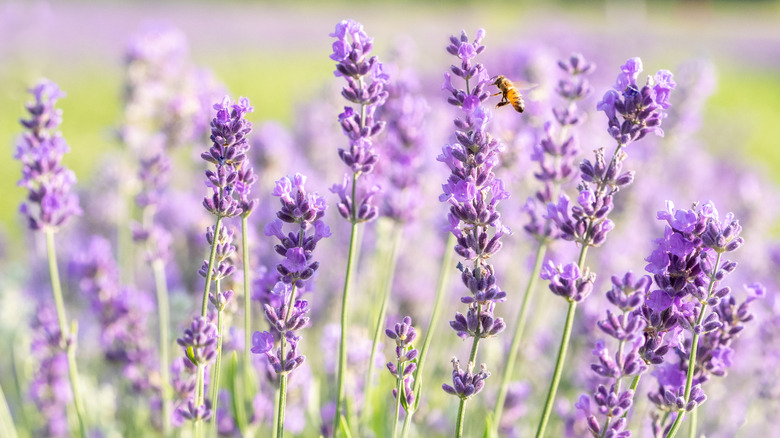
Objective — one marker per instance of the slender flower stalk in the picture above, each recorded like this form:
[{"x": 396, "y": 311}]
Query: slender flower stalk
[
  {"x": 49, "y": 204},
  {"x": 365, "y": 87},
  {"x": 305, "y": 211},
  {"x": 442, "y": 284},
  {"x": 473, "y": 192},
  {"x": 220, "y": 301},
  {"x": 641, "y": 111},
  {"x": 406, "y": 356},
  {"x": 555, "y": 158}
]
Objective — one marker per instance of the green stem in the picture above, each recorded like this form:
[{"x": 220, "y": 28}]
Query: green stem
[
  {"x": 277, "y": 400},
  {"x": 67, "y": 337},
  {"x": 471, "y": 365},
  {"x": 237, "y": 395},
  {"x": 399, "y": 387},
  {"x": 389, "y": 267},
  {"x": 561, "y": 353},
  {"x": 441, "y": 288},
  {"x": 692, "y": 424},
  {"x": 282, "y": 402},
  {"x": 199, "y": 395},
  {"x": 217, "y": 367},
  {"x": 344, "y": 306},
  {"x": 247, "y": 308},
  {"x": 209, "y": 274},
  {"x": 6, "y": 421},
  {"x": 163, "y": 314},
  {"x": 692, "y": 357},
  {"x": 518, "y": 336},
  {"x": 282, "y": 396}
]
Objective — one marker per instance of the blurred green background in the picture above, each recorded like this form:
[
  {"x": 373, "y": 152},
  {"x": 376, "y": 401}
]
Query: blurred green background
[{"x": 277, "y": 54}]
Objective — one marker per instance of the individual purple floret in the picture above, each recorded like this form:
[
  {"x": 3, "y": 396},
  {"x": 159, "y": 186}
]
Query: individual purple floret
[
  {"x": 50, "y": 201},
  {"x": 404, "y": 335},
  {"x": 465, "y": 383},
  {"x": 366, "y": 82}
]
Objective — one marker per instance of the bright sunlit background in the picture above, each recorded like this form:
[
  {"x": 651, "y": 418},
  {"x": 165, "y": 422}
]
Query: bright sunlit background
[{"x": 278, "y": 56}]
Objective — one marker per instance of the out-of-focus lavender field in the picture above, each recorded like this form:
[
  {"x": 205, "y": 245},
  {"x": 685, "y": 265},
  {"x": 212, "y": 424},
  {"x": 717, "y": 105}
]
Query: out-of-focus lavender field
[{"x": 142, "y": 78}]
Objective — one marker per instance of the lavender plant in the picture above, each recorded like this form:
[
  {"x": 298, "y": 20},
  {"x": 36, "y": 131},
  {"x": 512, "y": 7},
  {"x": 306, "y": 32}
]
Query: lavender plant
[
  {"x": 305, "y": 210},
  {"x": 473, "y": 192},
  {"x": 351, "y": 50},
  {"x": 555, "y": 158},
  {"x": 404, "y": 335},
  {"x": 640, "y": 112},
  {"x": 50, "y": 202}
]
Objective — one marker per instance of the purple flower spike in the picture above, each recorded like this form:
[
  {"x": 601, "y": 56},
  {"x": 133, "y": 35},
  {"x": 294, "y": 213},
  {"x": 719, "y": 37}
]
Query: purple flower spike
[
  {"x": 366, "y": 83},
  {"x": 406, "y": 359},
  {"x": 49, "y": 183}
]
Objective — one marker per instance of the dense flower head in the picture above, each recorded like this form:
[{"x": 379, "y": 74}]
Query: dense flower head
[
  {"x": 306, "y": 211},
  {"x": 229, "y": 130},
  {"x": 641, "y": 109},
  {"x": 225, "y": 250},
  {"x": 200, "y": 341},
  {"x": 466, "y": 383},
  {"x": 364, "y": 209},
  {"x": 403, "y": 150},
  {"x": 567, "y": 281},
  {"x": 406, "y": 359},
  {"x": 50, "y": 201},
  {"x": 586, "y": 222}
]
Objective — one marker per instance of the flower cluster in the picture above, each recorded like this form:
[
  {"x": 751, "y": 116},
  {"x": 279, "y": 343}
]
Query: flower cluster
[
  {"x": 555, "y": 153},
  {"x": 641, "y": 109},
  {"x": 223, "y": 253},
  {"x": 49, "y": 388},
  {"x": 567, "y": 281},
  {"x": 627, "y": 294},
  {"x": 153, "y": 175},
  {"x": 305, "y": 210},
  {"x": 121, "y": 312},
  {"x": 228, "y": 152},
  {"x": 474, "y": 192},
  {"x": 688, "y": 267},
  {"x": 366, "y": 82},
  {"x": 49, "y": 183},
  {"x": 465, "y": 383},
  {"x": 405, "y": 112},
  {"x": 200, "y": 347},
  {"x": 404, "y": 335}
]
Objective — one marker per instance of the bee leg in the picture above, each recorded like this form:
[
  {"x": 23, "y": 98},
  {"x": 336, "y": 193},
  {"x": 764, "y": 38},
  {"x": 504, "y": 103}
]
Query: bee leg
[
  {"x": 502, "y": 103},
  {"x": 496, "y": 94}
]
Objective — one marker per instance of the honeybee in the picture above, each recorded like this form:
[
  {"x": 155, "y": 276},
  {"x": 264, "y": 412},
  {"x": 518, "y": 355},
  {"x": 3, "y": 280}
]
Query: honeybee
[{"x": 510, "y": 94}]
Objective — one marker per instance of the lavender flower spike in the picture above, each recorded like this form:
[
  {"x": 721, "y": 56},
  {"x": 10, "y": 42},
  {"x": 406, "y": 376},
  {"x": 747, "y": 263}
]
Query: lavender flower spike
[
  {"x": 49, "y": 204},
  {"x": 50, "y": 200},
  {"x": 406, "y": 362},
  {"x": 305, "y": 212},
  {"x": 365, "y": 89}
]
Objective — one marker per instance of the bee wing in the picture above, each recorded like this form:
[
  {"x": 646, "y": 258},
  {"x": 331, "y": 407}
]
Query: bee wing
[{"x": 525, "y": 85}]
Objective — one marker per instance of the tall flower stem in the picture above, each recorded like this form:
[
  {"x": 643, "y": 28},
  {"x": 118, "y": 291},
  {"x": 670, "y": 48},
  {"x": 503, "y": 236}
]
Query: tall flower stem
[
  {"x": 247, "y": 307},
  {"x": 207, "y": 288},
  {"x": 518, "y": 335},
  {"x": 389, "y": 266},
  {"x": 562, "y": 349},
  {"x": 399, "y": 388},
  {"x": 199, "y": 396},
  {"x": 282, "y": 396},
  {"x": 347, "y": 283},
  {"x": 218, "y": 363},
  {"x": 441, "y": 288},
  {"x": 6, "y": 421},
  {"x": 692, "y": 357},
  {"x": 64, "y": 332},
  {"x": 163, "y": 315}
]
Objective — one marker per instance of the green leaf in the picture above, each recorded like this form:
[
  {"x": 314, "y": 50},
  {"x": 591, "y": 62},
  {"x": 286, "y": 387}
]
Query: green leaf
[{"x": 344, "y": 427}]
